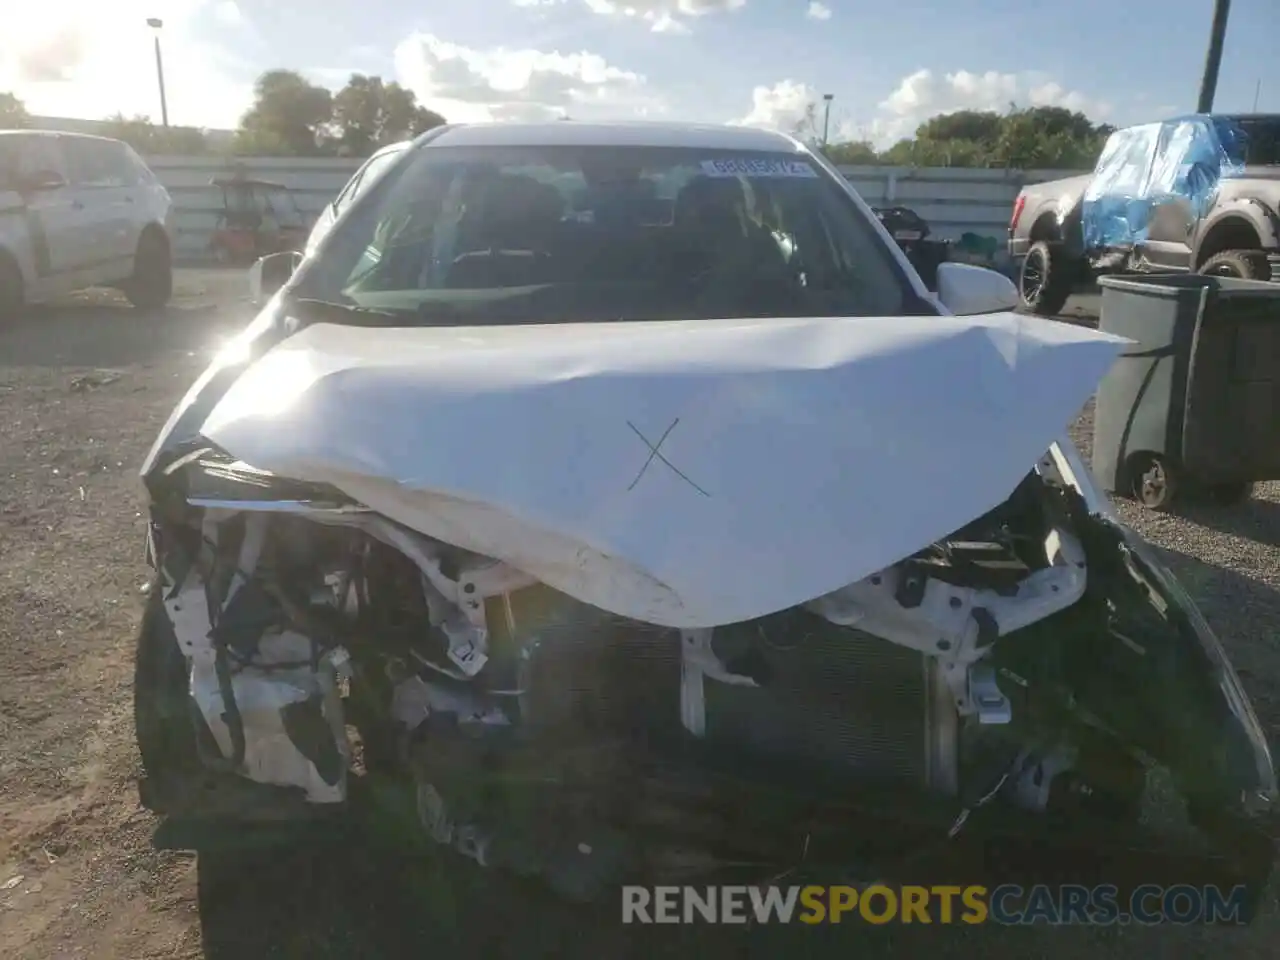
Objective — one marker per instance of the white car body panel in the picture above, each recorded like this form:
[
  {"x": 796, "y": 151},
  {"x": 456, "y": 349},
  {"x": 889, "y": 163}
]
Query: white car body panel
[
  {"x": 793, "y": 457},
  {"x": 76, "y": 235}
]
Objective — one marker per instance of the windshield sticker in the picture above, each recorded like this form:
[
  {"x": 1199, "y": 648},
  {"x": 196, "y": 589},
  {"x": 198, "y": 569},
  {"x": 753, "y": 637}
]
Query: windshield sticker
[{"x": 757, "y": 167}]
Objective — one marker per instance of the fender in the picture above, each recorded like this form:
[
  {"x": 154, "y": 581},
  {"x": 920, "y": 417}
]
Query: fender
[
  {"x": 1248, "y": 209},
  {"x": 1067, "y": 223}
]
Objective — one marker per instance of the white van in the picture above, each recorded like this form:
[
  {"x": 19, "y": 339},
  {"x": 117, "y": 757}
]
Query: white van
[{"x": 80, "y": 211}]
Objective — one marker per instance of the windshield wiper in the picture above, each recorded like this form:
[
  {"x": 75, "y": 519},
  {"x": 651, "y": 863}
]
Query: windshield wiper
[{"x": 330, "y": 311}]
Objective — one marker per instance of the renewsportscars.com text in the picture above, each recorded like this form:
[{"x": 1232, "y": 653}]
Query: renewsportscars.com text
[{"x": 1009, "y": 905}]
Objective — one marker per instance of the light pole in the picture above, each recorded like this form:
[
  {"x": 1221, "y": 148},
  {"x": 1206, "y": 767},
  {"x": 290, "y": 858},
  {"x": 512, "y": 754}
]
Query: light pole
[
  {"x": 155, "y": 23},
  {"x": 1213, "y": 60},
  {"x": 826, "y": 115}
]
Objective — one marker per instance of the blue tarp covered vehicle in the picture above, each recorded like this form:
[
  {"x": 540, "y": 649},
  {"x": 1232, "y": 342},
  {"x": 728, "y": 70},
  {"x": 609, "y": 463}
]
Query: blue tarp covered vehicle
[{"x": 1198, "y": 192}]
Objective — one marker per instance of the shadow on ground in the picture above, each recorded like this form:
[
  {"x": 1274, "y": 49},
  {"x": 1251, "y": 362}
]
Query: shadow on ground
[
  {"x": 104, "y": 334},
  {"x": 358, "y": 905},
  {"x": 1257, "y": 520},
  {"x": 1250, "y": 607}
]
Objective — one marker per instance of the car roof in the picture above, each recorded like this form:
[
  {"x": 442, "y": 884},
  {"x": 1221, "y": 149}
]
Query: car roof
[
  {"x": 622, "y": 134},
  {"x": 61, "y": 134}
]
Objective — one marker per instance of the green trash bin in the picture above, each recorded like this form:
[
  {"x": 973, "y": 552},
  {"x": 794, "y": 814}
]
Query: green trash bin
[{"x": 1193, "y": 408}]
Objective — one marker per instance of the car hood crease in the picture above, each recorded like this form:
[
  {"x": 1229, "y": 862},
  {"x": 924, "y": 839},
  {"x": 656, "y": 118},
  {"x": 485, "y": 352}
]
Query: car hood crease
[{"x": 687, "y": 473}]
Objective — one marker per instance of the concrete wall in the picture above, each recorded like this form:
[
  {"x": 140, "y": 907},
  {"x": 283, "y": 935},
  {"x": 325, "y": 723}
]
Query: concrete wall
[{"x": 955, "y": 202}]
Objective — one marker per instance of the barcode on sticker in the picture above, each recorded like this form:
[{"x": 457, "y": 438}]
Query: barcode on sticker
[{"x": 758, "y": 167}]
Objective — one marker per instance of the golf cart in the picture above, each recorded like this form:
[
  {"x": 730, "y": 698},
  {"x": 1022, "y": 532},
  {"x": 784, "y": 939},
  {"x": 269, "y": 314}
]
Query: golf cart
[{"x": 258, "y": 217}]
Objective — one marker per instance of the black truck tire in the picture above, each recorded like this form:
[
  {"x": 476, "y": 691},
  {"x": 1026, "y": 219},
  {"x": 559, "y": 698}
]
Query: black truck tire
[
  {"x": 1046, "y": 279},
  {"x": 1241, "y": 264}
]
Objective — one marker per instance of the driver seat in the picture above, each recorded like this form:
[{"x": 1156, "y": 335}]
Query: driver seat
[{"x": 506, "y": 240}]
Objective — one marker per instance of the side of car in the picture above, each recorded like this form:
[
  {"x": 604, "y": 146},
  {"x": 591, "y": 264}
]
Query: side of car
[{"x": 78, "y": 211}]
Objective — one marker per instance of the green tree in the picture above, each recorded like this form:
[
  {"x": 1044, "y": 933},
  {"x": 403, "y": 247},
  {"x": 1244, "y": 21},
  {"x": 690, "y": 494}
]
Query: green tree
[
  {"x": 1047, "y": 137},
  {"x": 852, "y": 153},
  {"x": 290, "y": 116},
  {"x": 982, "y": 126},
  {"x": 147, "y": 138},
  {"x": 13, "y": 115},
  {"x": 1028, "y": 138},
  {"x": 926, "y": 152},
  {"x": 369, "y": 114}
]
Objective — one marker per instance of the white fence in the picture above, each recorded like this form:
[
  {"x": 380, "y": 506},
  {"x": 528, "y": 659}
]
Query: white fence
[{"x": 955, "y": 202}]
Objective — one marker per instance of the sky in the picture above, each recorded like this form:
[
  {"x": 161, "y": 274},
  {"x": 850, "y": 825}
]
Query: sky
[{"x": 887, "y": 65}]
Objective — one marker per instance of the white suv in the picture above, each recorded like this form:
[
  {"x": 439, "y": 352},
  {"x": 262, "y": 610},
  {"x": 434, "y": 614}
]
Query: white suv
[{"x": 79, "y": 211}]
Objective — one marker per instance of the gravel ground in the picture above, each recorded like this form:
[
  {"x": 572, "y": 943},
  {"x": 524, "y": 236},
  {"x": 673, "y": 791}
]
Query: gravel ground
[{"x": 83, "y": 388}]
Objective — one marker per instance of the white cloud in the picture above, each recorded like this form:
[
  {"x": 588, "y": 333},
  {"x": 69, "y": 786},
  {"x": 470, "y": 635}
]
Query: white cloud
[
  {"x": 818, "y": 11},
  {"x": 924, "y": 94},
  {"x": 87, "y": 59},
  {"x": 663, "y": 16},
  {"x": 467, "y": 84},
  {"x": 783, "y": 106},
  {"x": 228, "y": 12}
]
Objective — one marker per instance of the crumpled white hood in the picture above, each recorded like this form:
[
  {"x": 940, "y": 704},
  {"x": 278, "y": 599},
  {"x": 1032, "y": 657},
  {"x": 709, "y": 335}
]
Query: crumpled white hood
[{"x": 793, "y": 456}]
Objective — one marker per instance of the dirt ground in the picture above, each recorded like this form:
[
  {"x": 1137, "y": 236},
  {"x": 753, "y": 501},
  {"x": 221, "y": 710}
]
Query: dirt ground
[{"x": 83, "y": 389}]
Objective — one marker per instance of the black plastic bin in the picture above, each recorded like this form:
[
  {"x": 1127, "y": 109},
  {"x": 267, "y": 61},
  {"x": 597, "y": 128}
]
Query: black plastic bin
[{"x": 1193, "y": 409}]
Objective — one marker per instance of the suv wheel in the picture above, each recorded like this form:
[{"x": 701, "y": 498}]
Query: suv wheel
[
  {"x": 1241, "y": 264},
  {"x": 151, "y": 285},
  {"x": 1045, "y": 280}
]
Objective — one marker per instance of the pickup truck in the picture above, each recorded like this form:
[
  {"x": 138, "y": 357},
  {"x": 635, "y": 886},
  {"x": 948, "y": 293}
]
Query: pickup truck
[{"x": 1197, "y": 193}]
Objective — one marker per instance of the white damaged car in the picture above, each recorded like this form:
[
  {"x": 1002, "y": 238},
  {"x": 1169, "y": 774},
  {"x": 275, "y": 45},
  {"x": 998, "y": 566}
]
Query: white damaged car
[{"x": 621, "y": 496}]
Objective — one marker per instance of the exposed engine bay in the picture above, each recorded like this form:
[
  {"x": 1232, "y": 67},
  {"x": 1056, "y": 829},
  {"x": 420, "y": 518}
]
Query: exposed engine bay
[{"x": 313, "y": 629}]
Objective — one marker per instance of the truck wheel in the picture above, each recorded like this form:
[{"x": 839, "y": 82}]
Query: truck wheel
[
  {"x": 1044, "y": 283},
  {"x": 1241, "y": 264}
]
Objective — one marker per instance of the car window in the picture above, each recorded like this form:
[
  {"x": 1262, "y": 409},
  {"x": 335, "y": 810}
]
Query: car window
[
  {"x": 141, "y": 173},
  {"x": 542, "y": 234},
  {"x": 1261, "y": 140},
  {"x": 37, "y": 155},
  {"x": 98, "y": 163},
  {"x": 349, "y": 191},
  {"x": 365, "y": 176}
]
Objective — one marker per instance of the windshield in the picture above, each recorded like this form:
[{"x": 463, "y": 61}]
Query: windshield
[{"x": 553, "y": 234}]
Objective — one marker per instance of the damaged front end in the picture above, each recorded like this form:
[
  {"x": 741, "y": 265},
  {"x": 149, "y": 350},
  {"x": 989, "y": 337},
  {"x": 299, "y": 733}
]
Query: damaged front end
[
  {"x": 1030, "y": 698},
  {"x": 1014, "y": 701}
]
